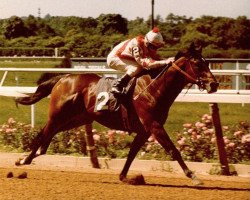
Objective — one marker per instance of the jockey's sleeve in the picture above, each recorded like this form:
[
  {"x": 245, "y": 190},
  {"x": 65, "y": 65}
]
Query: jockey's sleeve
[{"x": 148, "y": 62}]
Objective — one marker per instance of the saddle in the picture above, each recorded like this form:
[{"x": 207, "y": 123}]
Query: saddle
[{"x": 106, "y": 100}]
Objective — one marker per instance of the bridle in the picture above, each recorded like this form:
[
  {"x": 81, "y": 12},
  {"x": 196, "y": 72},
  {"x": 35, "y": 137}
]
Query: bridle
[{"x": 196, "y": 80}]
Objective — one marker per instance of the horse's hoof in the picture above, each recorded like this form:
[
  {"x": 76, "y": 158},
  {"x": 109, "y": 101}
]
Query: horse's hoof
[
  {"x": 196, "y": 181},
  {"x": 21, "y": 161},
  {"x": 18, "y": 162},
  {"x": 137, "y": 180}
]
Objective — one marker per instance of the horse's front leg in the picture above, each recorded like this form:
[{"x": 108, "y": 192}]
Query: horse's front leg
[
  {"x": 165, "y": 141},
  {"x": 138, "y": 142}
]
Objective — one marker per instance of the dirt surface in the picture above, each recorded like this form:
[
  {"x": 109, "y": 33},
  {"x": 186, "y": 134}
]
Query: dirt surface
[
  {"x": 53, "y": 177},
  {"x": 104, "y": 184}
]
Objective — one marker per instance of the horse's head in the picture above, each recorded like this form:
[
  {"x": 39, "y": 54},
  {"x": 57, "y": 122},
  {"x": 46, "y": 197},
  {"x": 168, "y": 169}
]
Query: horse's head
[{"x": 196, "y": 69}]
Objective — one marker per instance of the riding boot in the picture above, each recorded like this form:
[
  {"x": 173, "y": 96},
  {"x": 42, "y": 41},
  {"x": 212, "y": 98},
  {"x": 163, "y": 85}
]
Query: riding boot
[{"x": 120, "y": 84}]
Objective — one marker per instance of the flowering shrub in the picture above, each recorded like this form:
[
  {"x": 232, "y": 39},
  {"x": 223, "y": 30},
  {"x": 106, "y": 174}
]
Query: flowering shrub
[
  {"x": 109, "y": 143},
  {"x": 197, "y": 141},
  {"x": 19, "y": 136},
  {"x": 16, "y": 134}
]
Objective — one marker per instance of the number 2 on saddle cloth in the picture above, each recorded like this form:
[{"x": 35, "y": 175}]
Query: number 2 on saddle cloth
[{"x": 106, "y": 100}]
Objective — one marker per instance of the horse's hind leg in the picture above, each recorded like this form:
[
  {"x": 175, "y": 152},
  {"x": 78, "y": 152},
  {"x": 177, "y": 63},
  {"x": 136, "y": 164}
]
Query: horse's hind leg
[
  {"x": 138, "y": 142},
  {"x": 57, "y": 123},
  {"x": 35, "y": 146},
  {"x": 91, "y": 146},
  {"x": 89, "y": 140}
]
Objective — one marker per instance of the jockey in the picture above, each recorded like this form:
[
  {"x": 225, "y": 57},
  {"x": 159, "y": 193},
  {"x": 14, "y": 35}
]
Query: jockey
[{"x": 134, "y": 55}]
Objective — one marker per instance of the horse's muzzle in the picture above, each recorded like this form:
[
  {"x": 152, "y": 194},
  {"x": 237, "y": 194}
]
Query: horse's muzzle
[{"x": 212, "y": 87}]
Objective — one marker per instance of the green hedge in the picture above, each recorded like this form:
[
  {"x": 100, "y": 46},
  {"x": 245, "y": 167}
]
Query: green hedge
[{"x": 32, "y": 51}]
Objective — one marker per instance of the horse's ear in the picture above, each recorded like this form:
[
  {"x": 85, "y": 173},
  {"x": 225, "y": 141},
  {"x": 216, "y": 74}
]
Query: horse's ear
[
  {"x": 178, "y": 55},
  {"x": 196, "y": 47}
]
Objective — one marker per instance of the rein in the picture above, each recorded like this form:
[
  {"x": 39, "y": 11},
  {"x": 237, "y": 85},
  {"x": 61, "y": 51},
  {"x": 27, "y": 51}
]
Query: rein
[
  {"x": 183, "y": 72},
  {"x": 164, "y": 69}
]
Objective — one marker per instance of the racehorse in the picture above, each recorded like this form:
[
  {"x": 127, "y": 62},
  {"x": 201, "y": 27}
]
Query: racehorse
[{"x": 73, "y": 100}]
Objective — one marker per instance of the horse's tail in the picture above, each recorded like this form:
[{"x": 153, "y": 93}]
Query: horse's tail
[{"x": 43, "y": 90}]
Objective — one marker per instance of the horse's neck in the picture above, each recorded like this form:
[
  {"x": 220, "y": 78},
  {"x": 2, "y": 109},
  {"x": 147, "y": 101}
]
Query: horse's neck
[
  {"x": 169, "y": 85},
  {"x": 164, "y": 91}
]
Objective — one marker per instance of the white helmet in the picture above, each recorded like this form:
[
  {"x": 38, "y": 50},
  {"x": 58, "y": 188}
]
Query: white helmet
[{"x": 155, "y": 38}]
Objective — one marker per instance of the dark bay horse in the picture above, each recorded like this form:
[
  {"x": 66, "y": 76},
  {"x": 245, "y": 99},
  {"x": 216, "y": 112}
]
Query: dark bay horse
[{"x": 73, "y": 98}]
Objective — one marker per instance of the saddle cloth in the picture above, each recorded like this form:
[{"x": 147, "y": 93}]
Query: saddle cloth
[{"x": 105, "y": 100}]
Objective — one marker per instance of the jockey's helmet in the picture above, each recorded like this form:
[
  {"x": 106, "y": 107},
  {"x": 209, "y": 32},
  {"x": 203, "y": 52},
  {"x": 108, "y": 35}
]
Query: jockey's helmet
[{"x": 154, "y": 39}]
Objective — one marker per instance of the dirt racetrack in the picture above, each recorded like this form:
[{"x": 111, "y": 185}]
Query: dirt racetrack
[{"x": 66, "y": 183}]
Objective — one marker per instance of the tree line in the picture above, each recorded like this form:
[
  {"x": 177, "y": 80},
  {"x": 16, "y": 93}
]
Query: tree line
[{"x": 95, "y": 37}]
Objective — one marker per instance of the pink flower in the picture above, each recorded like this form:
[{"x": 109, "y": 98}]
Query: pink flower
[
  {"x": 245, "y": 138},
  {"x": 198, "y": 137},
  {"x": 238, "y": 133},
  {"x": 156, "y": 141},
  {"x": 122, "y": 133},
  {"x": 96, "y": 137},
  {"x": 8, "y": 130},
  {"x": 151, "y": 138},
  {"x": 181, "y": 142},
  {"x": 200, "y": 125},
  {"x": 225, "y": 128},
  {"x": 149, "y": 146},
  {"x": 204, "y": 128},
  {"x": 208, "y": 121},
  {"x": 226, "y": 140},
  {"x": 190, "y": 130},
  {"x": 187, "y": 125},
  {"x": 209, "y": 117},
  {"x": 231, "y": 144},
  {"x": 11, "y": 121},
  {"x": 205, "y": 116},
  {"x": 143, "y": 153},
  {"x": 194, "y": 133},
  {"x": 209, "y": 131},
  {"x": 111, "y": 133}
]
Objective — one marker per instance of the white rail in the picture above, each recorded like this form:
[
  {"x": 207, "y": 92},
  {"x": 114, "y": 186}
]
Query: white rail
[
  {"x": 192, "y": 95},
  {"x": 108, "y": 71}
]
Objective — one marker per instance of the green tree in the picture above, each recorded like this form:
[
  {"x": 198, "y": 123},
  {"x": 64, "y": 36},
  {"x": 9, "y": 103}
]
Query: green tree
[
  {"x": 56, "y": 41},
  {"x": 31, "y": 24},
  {"x": 14, "y": 27},
  {"x": 111, "y": 24},
  {"x": 239, "y": 33},
  {"x": 193, "y": 33},
  {"x": 137, "y": 27},
  {"x": 174, "y": 28}
]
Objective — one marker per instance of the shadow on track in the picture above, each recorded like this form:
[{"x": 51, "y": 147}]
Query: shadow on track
[
  {"x": 199, "y": 187},
  {"x": 190, "y": 187}
]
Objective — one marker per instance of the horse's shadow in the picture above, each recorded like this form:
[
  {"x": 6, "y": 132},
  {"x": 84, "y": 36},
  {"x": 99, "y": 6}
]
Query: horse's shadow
[
  {"x": 198, "y": 187},
  {"x": 190, "y": 187}
]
